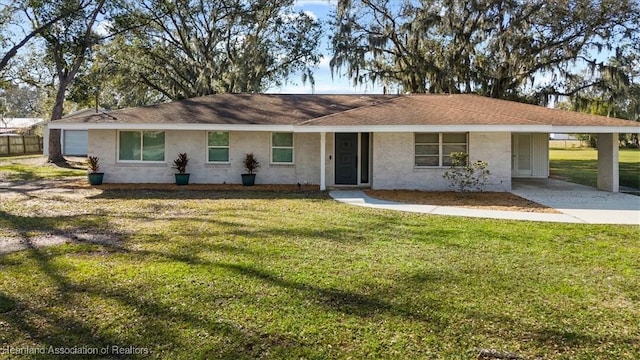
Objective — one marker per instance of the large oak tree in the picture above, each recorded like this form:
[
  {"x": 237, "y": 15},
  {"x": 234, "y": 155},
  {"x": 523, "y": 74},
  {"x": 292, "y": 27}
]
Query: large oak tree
[
  {"x": 191, "y": 48},
  {"x": 492, "y": 47},
  {"x": 68, "y": 44}
]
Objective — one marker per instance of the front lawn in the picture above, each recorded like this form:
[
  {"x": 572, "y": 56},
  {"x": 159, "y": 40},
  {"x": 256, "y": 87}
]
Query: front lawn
[
  {"x": 204, "y": 275},
  {"x": 580, "y": 165},
  {"x": 35, "y": 167}
]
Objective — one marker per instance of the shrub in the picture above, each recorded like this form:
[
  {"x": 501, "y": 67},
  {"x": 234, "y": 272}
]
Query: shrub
[
  {"x": 464, "y": 176},
  {"x": 92, "y": 162},
  {"x": 250, "y": 162},
  {"x": 181, "y": 162}
]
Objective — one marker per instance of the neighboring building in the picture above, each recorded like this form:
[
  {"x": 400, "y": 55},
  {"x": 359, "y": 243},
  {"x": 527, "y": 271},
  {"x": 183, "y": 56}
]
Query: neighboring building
[
  {"x": 562, "y": 137},
  {"x": 22, "y": 126},
  {"x": 377, "y": 141}
]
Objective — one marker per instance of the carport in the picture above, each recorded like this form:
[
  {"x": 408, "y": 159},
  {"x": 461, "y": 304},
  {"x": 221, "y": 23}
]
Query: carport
[{"x": 530, "y": 157}]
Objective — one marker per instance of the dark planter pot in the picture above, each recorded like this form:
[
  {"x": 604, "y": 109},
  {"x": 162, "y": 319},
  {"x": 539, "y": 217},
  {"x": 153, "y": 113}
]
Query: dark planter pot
[
  {"x": 248, "y": 179},
  {"x": 182, "y": 179},
  {"x": 95, "y": 178}
]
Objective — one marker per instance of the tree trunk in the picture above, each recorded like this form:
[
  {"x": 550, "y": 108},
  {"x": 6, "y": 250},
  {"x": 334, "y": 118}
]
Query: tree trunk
[{"x": 55, "y": 147}]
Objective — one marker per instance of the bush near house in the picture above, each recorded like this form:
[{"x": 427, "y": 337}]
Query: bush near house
[{"x": 465, "y": 176}]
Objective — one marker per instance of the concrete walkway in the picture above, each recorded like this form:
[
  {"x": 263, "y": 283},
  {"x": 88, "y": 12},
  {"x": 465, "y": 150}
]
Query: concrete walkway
[{"x": 577, "y": 204}]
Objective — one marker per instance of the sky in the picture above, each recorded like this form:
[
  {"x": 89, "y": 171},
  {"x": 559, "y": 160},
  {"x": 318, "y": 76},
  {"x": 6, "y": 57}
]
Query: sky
[{"x": 325, "y": 84}]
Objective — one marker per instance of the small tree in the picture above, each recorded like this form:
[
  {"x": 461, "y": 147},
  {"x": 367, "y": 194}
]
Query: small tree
[
  {"x": 181, "y": 162},
  {"x": 465, "y": 176},
  {"x": 250, "y": 163},
  {"x": 93, "y": 164}
]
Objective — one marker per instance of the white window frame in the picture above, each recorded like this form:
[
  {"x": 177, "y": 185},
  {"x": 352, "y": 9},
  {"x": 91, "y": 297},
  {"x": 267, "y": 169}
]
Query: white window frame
[
  {"x": 440, "y": 149},
  {"x": 141, "y": 161},
  {"x": 292, "y": 147},
  {"x": 228, "y": 147}
]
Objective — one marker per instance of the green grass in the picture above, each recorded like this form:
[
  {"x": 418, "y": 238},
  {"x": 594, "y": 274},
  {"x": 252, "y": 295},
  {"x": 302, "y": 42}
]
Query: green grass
[
  {"x": 580, "y": 165},
  {"x": 15, "y": 168},
  {"x": 204, "y": 275},
  {"x": 19, "y": 157}
]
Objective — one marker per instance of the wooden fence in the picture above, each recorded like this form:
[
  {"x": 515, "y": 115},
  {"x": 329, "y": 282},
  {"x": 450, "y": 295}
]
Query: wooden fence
[{"x": 16, "y": 145}]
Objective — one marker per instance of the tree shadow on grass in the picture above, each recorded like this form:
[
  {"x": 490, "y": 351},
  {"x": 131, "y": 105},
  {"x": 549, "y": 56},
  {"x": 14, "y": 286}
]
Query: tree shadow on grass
[
  {"x": 340, "y": 300},
  {"x": 237, "y": 339},
  {"x": 46, "y": 325},
  {"x": 7, "y": 303},
  {"x": 162, "y": 319}
]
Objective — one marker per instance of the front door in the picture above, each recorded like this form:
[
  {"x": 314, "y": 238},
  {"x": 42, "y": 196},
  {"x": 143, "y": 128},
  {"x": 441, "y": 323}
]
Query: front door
[
  {"x": 346, "y": 158},
  {"x": 521, "y": 152}
]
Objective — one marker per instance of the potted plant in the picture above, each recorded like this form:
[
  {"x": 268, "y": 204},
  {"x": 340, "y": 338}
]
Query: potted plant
[
  {"x": 180, "y": 164},
  {"x": 95, "y": 177},
  {"x": 251, "y": 164}
]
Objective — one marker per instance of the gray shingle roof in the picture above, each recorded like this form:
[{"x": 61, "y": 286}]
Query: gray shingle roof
[
  {"x": 347, "y": 110},
  {"x": 263, "y": 109},
  {"x": 462, "y": 109}
]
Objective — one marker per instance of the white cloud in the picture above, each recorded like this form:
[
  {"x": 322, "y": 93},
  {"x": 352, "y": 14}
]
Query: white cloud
[
  {"x": 311, "y": 15},
  {"x": 316, "y": 2},
  {"x": 103, "y": 28},
  {"x": 294, "y": 16},
  {"x": 324, "y": 62}
]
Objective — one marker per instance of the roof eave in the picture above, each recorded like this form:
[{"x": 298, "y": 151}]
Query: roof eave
[
  {"x": 423, "y": 128},
  {"x": 177, "y": 126},
  {"x": 564, "y": 129},
  {"x": 348, "y": 128}
]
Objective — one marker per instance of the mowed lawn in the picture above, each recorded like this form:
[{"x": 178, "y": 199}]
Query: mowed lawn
[
  {"x": 580, "y": 165},
  {"x": 35, "y": 167},
  {"x": 244, "y": 275}
]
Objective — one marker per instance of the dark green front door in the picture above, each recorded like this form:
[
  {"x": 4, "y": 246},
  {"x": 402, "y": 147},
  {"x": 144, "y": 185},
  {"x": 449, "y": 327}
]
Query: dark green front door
[{"x": 346, "y": 158}]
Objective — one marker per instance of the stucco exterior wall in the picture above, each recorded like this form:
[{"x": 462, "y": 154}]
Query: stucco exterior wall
[
  {"x": 393, "y": 162},
  {"x": 103, "y": 143}
]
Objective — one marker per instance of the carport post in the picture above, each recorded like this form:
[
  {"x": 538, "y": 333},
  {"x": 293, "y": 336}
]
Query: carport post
[
  {"x": 323, "y": 150},
  {"x": 608, "y": 168}
]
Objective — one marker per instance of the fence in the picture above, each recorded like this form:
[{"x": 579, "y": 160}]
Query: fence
[{"x": 16, "y": 145}]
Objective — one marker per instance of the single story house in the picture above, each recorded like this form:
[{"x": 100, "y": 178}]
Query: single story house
[
  {"x": 74, "y": 142},
  {"x": 377, "y": 141}
]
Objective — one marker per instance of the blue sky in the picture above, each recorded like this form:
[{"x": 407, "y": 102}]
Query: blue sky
[{"x": 321, "y": 9}]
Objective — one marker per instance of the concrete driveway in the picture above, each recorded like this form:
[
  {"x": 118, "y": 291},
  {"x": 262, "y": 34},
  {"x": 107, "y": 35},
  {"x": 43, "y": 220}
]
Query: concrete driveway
[{"x": 584, "y": 203}]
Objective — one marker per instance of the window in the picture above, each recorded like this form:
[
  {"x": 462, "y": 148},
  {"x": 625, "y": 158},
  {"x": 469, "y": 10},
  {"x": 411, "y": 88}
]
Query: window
[
  {"x": 218, "y": 147},
  {"x": 282, "y": 148},
  {"x": 141, "y": 146},
  {"x": 434, "y": 149}
]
